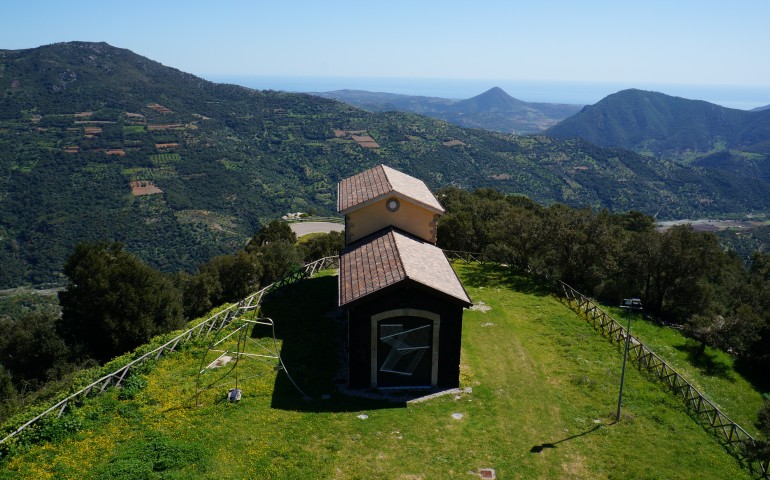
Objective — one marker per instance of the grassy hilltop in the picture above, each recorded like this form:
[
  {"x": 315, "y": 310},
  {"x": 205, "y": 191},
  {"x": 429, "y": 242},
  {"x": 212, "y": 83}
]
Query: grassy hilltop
[{"x": 540, "y": 403}]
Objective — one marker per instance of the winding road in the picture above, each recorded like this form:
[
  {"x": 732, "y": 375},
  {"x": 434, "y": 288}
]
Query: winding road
[{"x": 303, "y": 228}]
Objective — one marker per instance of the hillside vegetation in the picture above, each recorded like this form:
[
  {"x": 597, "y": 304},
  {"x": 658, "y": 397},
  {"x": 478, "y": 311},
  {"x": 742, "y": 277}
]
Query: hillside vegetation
[
  {"x": 683, "y": 277},
  {"x": 99, "y": 143},
  {"x": 675, "y": 128},
  {"x": 493, "y": 110},
  {"x": 539, "y": 402},
  {"x": 114, "y": 302}
]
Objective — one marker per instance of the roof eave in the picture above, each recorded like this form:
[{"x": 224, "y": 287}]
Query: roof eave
[
  {"x": 465, "y": 302},
  {"x": 375, "y": 293},
  {"x": 392, "y": 193}
]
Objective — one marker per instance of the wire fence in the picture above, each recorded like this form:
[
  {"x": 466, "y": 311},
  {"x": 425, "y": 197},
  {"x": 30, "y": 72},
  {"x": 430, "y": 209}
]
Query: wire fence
[
  {"x": 202, "y": 329},
  {"x": 726, "y": 430}
]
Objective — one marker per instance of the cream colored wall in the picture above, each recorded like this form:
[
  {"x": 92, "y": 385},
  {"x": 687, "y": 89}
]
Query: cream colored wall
[{"x": 411, "y": 218}]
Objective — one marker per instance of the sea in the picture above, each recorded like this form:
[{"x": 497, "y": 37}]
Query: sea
[{"x": 581, "y": 93}]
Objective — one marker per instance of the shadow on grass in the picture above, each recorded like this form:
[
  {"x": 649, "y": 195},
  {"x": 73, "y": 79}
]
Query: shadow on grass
[
  {"x": 754, "y": 372},
  {"x": 540, "y": 448},
  {"x": 708, "y": 363},
  {"x": 307, "y": 322},
  {"x": 486, "y": 275}
]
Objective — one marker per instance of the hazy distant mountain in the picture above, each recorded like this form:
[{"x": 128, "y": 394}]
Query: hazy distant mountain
[
  {"x": 382, "y": 101},
  {"x": 99, "y": 143},
  {"x": 759, "y": 109},
  {"x": 493, "y": 110},
  {"x": 667, "y": 126},
  {"x": 493, "y": 100}
]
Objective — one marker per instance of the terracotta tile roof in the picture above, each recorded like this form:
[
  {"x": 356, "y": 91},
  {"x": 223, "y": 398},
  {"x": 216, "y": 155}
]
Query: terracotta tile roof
[
  {"x": 374, "y": 184},
  {"x": 368, "y": 267},
  {"x": 389, "y": 257},
  {"x": 426, "y": 264}
]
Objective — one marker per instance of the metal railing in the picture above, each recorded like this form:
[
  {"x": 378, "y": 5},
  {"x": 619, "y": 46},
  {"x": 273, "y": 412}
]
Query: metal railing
[
  {"x": 722, "y": 426},
  {"x": 726, "y": 429},
  {"x": 467, "y": 257},
  {"x": 315, "y": 219},
  {"x": 202, "y": 329}
]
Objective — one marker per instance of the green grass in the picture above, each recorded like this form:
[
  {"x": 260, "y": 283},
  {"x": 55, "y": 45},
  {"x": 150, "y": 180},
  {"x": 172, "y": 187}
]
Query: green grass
[
  {"x": 163, "y": 159},
  {"x": 133, "y": 129},
  {"x": 712, "y": 373},
  {"x": 136, "y": 172},
  {"x": 309, "y": 236},
  {"x": 544, "y": 392}
]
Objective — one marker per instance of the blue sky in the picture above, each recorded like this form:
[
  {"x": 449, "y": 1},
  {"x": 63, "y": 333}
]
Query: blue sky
[{"x": 651, "y": 41}]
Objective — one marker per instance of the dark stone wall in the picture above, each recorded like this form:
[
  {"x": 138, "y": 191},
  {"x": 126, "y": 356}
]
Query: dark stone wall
[{"x": 405, "y": 295}]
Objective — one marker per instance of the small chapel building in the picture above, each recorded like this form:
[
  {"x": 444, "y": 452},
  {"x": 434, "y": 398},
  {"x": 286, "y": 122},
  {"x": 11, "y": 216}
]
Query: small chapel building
[{"x": 403, "y": 300}]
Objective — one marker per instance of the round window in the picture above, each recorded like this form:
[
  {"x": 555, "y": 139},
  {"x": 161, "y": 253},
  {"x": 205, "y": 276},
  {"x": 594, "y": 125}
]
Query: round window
[{"x": 392, "y": 204}]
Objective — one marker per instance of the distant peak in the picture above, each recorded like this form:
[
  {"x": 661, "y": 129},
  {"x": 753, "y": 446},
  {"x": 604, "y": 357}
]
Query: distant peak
[
  {"x": 79, "y": 44},
  {"x": 495, "y": 92},
  {"x": 493, "y": 100}
]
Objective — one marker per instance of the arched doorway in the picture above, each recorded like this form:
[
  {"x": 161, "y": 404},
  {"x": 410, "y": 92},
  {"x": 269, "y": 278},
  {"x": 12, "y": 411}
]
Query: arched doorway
[{"x": 404, "y": 348}]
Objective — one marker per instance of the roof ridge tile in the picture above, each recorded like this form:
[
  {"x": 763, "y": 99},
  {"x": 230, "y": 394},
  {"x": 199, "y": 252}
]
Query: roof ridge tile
[{"x": 375, "y": 183}]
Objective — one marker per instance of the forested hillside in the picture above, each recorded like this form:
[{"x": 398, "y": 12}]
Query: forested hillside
[
  {"x": 671, "y": 127},
  {"x": 98, "y": 143},
  {"x": 682, "y": 276}
]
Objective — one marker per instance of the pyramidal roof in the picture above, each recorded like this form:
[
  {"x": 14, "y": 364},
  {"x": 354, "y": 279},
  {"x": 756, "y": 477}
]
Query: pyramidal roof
[
  {"x": 379, "y": 182},
  {"x": 389, "y": 257}
]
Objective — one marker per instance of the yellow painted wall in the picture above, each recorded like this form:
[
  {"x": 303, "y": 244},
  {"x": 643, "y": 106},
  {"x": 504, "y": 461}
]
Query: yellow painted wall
[{"x": 411, "y": 218}]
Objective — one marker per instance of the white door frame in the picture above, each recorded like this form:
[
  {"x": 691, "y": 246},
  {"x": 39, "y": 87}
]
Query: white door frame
[{"x": 405, "y": 312}]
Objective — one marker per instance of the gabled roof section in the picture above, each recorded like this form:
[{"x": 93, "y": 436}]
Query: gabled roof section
[
  {"x": 379, "y": 182},
  {"x": 389, "y": 257}
]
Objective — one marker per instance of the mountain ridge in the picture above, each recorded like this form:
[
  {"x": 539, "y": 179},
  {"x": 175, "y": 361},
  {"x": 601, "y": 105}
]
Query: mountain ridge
[
  {"x": 100, "y": 143},
  {"x": 493, "y": 110},
  {"x": 494, "y": 99},
  {"x": 664, "y": 125}
]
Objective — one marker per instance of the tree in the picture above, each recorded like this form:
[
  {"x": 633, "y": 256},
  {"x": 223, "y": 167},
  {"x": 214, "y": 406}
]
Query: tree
[
  {"x": 455, "y": 231},
  {"x": 275, "y": 231},
  {"x": 8, "y": 393},
  {"x": 236, "y": 276},
  {"x": 579, "y": 246},
  {"x": 764, "y": 418},
  {"x": 113, "y": 302},
  {"x": 517, "y": 238},
  {"x": 225, "y": 278},
  {"x": 323, "y": 245},
  {"x": 278, "y": 259},
  {"x": 32, "y": 351},
  {"x": 468, "y": 223},
  {"x": 680, "y": 271},
  {"x": 734, "y": 332},
  {"x": 759, "y": 299},
  {"x": 199, "y": 292},
  {"x": 761, "y": 449},
  {"x": 239, "y": 274}
]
